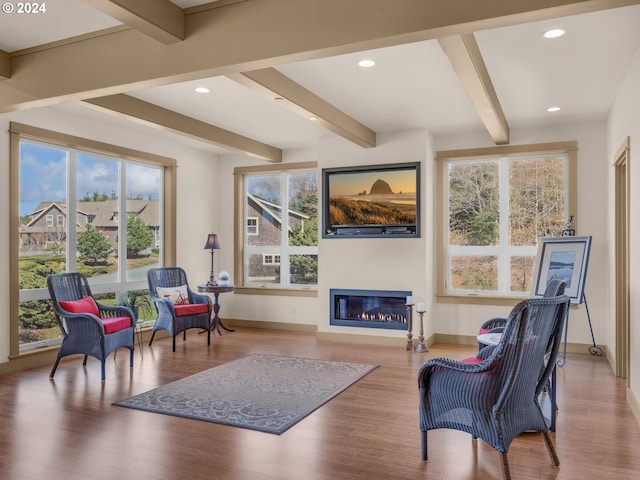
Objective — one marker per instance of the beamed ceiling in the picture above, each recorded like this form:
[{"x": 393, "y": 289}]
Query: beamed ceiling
[{"x": 283, "y": 73}]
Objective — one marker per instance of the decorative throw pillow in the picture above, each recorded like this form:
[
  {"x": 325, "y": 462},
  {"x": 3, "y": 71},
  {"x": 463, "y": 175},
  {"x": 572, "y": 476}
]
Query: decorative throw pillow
[
  {"x": 84, "y": 305},
  {"x": 176, "y": 295}
]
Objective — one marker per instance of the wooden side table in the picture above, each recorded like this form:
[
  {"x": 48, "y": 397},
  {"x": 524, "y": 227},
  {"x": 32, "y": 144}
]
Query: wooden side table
[{"x": 216, "y": 321}]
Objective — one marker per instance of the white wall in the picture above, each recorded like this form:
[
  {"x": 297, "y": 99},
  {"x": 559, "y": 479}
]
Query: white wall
[
  {"x": 624, "y": 121},
  {"x": 205, "y": 204},
  {"x": 196, "y": 177},
  {"x": 591, "y": 219}
]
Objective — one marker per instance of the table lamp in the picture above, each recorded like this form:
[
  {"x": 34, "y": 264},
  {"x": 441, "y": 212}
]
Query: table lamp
[{"x": 212, "y": 244}]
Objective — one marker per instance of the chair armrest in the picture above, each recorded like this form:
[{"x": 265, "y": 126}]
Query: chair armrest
[
  {"x": 85, "y": 318},
  {"x": 107, "y": 311},
  {"x": 163, "y": 304},
  {"x": 492, "y": 323},
  {"x": 199, "y": 298},
  {"x": 449, "y": 366}
]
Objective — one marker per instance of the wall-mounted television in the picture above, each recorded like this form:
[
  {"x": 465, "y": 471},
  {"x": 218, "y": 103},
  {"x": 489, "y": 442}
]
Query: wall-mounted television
[{"x": 371, "y": 201}]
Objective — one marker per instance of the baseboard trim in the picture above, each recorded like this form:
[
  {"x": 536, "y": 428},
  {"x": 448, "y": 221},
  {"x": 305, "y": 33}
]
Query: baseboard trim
[
  {"x": 295, "y": 327},
  {"x": 634, "y": 404}
]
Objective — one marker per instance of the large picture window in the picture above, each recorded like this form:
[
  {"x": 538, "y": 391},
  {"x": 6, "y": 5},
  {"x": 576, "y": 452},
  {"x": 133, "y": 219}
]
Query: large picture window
[
  {"x": 497, "y": 203},
  {"x": 279, "y": 241},
  {"x": 108, "y": 204}
]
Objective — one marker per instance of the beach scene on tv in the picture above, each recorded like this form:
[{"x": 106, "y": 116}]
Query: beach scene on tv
[{"x": 379, "y": 197}]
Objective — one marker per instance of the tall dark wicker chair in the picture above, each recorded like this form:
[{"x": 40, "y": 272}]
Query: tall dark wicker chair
[
  {"x": 88, "y": 327},
  {"x": 178, "y": 314},
  {"x": 498, "y": 399}
]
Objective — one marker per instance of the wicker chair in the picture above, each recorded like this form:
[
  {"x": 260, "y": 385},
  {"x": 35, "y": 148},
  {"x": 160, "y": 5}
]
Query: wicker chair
[
  {"x": 88, "y": 327},
  {"x": 498, "y": 399},
  {"x": 193, "y": 310}
]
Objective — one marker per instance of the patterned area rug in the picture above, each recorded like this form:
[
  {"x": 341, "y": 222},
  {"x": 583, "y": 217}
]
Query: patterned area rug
[{"x": 268, "y": 393}]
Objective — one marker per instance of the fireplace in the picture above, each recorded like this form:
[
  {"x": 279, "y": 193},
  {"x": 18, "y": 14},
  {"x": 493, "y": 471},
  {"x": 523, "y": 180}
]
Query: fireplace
[{"x": 369, "y": 308}]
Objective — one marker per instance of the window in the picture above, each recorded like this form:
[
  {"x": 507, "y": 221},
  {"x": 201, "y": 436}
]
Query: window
[
  {"x": 80, "y": 183},
  {"x": 496, "y": 203},
  {"x": 270, "y": 259},
  {"x": 278, "y": 249},
  {"x": 252, "y": 225}
]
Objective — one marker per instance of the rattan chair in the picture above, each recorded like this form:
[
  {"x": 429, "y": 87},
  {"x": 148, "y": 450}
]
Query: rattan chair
[
  {"x": 192, "y": 311},
  {"x": 88, "y": 327},
  {"x": 497, "y": 399}
]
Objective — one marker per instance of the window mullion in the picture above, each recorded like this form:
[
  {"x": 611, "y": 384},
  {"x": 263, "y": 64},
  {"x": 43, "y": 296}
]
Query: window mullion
[{"x": 72, "y": 210}]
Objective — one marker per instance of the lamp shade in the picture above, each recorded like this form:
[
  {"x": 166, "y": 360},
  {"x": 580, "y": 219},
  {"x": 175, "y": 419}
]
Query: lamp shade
[{"x": 212, "y": 242}]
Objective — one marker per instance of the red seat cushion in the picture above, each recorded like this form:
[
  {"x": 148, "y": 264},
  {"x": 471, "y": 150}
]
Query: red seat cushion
[
  {"x": 472, "y": 360},
  {"x": 484, "y": 330},
  {"x": 115, "y": 324},
  {"x": 84, "y": 305},
  {"x": 191, "y": 309}
]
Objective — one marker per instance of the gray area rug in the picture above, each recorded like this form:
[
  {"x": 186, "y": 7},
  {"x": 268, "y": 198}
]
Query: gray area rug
[{"x": 268, "y": 393}]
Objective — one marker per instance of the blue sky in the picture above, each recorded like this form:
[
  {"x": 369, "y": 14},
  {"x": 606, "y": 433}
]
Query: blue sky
[{"x": 43, "y": 176}]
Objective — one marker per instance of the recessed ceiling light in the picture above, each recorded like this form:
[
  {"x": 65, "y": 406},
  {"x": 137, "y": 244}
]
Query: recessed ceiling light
[
  {"x": 202, "y": 90},
  {"x": 366, "y": 63},
  {"x": 553, "y": 109},
  {"x": 554, "y": 33}
]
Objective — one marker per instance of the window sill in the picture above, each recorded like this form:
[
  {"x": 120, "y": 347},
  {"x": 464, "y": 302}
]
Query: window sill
[
  {"x": 480, "y": 299},
  {"x": 288, "y": 292}
]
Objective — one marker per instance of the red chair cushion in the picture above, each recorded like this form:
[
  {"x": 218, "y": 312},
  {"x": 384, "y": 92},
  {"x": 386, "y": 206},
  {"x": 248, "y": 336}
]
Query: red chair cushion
[
  {"x": 115, "y": 324},
  {"x": 484, "y": 330},
  {"x": 84, "y": 305},
  {"x": 472, "y": 360},
  {"x": 191, "y": 309}
]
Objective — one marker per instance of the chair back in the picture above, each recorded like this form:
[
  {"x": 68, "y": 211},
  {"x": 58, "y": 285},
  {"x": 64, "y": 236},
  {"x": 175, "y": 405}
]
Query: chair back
[
  {"x": 529, "y": 348},
  {"x": 165, "y": 277},
  {"x": 67, "y": 287}
]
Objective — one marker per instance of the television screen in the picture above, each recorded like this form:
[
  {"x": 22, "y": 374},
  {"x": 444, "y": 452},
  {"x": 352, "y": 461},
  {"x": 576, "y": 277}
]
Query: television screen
[{"x": 377, "y": 200}]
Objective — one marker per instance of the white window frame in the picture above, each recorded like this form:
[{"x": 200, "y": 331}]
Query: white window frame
[
  {"x": 253, "y": 228},
  {"x": 503, "y": 251},
  {"x": 241, "y": 250}
]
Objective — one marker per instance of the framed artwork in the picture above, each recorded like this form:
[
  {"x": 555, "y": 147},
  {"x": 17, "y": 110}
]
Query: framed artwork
[{"x": 565, "y": 258}]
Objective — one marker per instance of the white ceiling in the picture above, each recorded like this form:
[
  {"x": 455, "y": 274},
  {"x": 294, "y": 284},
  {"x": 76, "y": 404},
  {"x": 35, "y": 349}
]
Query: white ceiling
[{"x": 411, "y": 86}]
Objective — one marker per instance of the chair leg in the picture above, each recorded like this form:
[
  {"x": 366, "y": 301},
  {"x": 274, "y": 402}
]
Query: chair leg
[
  {"x": 551, "y": 448},
  {"x": 425, "y": 456},
  {"x": 84, "y": 362},
  {"x": 103, "y": 370},
  {"x": 55, "y": 367},
  {"x": 209, "y": 336},
  {"x": 131, "y": 356},
  {"x": 152, "y": 335},
  {"x": 174, "y": 343},
  {"x": 506, "y": 473}
]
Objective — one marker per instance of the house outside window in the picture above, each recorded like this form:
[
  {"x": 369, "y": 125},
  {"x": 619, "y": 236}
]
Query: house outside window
[
  {"x": 66, "y": 178},
  {"x": 497, "y": 203},
  {"x": 279, "y": 246}
]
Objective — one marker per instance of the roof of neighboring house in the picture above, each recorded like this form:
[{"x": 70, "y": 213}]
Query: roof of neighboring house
[
  {"x": 273, "y": 210},
  {"x": 104, "y": 213}
]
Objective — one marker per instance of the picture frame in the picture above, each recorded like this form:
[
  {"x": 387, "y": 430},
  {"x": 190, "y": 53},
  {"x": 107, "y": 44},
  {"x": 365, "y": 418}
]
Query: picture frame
[{"x": 566, "y": 258}]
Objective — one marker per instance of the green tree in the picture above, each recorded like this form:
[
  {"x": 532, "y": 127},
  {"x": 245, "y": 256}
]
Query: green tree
[
  {"x": 139, "y": 237},
  {"x": 93, "y": 245}
]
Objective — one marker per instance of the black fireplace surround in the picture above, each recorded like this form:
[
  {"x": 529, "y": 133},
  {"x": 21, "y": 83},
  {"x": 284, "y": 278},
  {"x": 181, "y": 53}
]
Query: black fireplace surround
[{"x": 369, "y": 308}]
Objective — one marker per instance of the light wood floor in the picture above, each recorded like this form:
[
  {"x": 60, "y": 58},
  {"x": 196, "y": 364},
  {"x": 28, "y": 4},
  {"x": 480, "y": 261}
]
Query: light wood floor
[{"x": 68, "y": 428}]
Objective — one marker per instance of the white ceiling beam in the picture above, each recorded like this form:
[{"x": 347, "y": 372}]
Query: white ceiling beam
[
  {"x": 161, "y": 118},
  {"x": 5, "y": 65},
  {"x": 467, "y": 62},
  {"x": 293, "y": 96},
  {"x": 251, "y": 35},
  {"x": 161, "y": 20}
]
